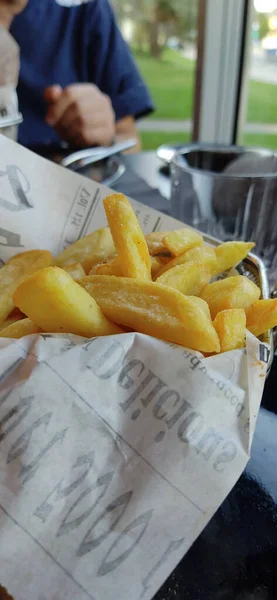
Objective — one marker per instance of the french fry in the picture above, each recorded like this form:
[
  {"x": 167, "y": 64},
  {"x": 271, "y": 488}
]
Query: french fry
[
  {"x": 118, "y": 295},
  {"x": 262, "y": 316},
  {"x": 19, "y": 329},
  {"x": 156, "y": 264},
  {"x": 109, "y": 268},
  {"x": 155, "y": 243},
  {"x": 56, "y": 303},
  {"x": 232, "y": 292},
  {"x": 75, "y": 270},
  {"x": 153, "y": 309},
  {"x": 112, "y": 267},
  {"x": 89, "y": 262},
  {"x": 203, "y": 255},
  {"x": 88, "y": 251},
  {"x": 31, "y": 259},
  {"x": 181, "y": 240},
  {"x": 230, "y": 254},
  {"x": 231, "y": 328},
  {"x": 128, "y": 238},
  {"x": 186, "y": 278},
  {"x": 107, "y": 261},
  {"x": 14, "y": 316},
  {"x": 203, "y": 305},
  {"x": 15, "y": 271}
]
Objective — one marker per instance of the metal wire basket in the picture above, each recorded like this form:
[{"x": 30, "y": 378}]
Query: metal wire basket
[{"x": 254, "y": 268}]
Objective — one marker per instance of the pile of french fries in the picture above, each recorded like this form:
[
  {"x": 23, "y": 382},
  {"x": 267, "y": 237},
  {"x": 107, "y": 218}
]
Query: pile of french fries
[{"x": 117, "y": 280}]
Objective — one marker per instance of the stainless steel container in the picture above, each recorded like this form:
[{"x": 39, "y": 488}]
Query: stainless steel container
[
  {"x": 228, "y": 192},
  {"x": 254, "y": 268}
]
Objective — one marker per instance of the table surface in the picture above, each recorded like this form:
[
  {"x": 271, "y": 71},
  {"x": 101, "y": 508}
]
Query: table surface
[
  {"x": 148, "y": 166},
  {"x": 235, "y": 557}
]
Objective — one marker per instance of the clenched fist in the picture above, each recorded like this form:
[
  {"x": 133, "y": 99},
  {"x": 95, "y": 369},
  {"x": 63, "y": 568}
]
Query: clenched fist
[{"x": 81, "y": 114}]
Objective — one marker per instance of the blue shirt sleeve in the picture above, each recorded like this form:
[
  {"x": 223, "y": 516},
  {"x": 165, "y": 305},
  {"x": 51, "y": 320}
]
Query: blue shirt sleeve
[{"x": 111, "y": 65}]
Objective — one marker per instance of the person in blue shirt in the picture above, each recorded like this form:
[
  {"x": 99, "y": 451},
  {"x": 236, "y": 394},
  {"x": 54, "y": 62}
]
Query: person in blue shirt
[{"x": 78, "y": 81}]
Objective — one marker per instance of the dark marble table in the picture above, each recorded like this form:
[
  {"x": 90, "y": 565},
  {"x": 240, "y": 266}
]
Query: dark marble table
[{"x": 235, "y": 558}]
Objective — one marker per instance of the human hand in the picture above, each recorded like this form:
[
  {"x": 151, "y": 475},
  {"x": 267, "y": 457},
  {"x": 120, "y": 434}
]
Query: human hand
[
  {"x": 8, "y": 10},
  {"x": 81, "y": 114}
]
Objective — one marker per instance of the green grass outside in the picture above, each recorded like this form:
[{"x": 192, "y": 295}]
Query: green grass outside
[
  {"x": 262, "y": 103},
  {"x": 261, "y": 140},
  {"x": 152, "y": 139},
  {"x": 171, "y": 82}
]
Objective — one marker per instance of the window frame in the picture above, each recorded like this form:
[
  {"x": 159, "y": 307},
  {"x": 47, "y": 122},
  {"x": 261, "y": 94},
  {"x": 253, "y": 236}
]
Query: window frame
[{"x": 223, "y": 33}]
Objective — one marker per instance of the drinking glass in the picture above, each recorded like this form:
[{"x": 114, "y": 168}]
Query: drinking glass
[{"x": 228, "y": 192}]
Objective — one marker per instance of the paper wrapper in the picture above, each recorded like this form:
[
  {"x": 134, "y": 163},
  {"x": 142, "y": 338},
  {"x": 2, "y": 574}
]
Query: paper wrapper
[{"x": 114, "y": 452}]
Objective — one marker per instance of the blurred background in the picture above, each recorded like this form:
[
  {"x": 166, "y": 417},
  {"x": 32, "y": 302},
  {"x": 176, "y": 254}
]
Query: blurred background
[{"x": 201, "y": 59}]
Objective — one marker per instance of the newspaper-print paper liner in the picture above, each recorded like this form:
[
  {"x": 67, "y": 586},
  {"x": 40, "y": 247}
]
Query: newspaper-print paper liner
[{"x": 115, "y": 452}]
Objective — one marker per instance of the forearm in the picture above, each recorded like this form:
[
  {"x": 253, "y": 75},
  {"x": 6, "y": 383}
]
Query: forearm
[
  {"x": 5, "y": 17},
  {"x": 126, "y": 129},
  {"x": 8, "y": 10}
]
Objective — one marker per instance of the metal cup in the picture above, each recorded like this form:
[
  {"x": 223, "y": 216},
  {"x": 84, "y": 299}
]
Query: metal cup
[{"x": 228, "y": 192}]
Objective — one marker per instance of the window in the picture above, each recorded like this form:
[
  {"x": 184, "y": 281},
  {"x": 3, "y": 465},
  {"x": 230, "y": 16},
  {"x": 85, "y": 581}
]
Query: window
[
  {"x": 163, "y": 37},
  {"x": 258, "y": 114}
]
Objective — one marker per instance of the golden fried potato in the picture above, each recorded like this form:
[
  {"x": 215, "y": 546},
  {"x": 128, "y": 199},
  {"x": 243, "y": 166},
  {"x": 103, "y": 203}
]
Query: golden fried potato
[
  {"x": 156, "y": 264},
  {"x": 153, "y": 309},
  {"x": 202, "y": 305},
  {"x": 9, "y": 321},
  {"x": 56, "y": 303},
  {"x": 75, "y": 270},
  {"x": 230, "y": 254},
  {"x": 181, "y": 240},
  {"x": 187, "y": 278},
  {"x": 155, "y": 242},
  {"x": 128, "y": 238},
  {"x": 108, "y": 268},
  {"x": 262, "y": 316},
  {"x": 88, "y": 251},
  {"x": 230, "y": 325},
  {"x": 19, "y": 329},
  {"x": 202, "y": 255},
  {"x": 232, "y": 292},
  {"x": 29, "y": 257},
  {"x": 15, "y": 271},
  {"x": 107, "y": 261},
  {"x": 14, "y": 316}
]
